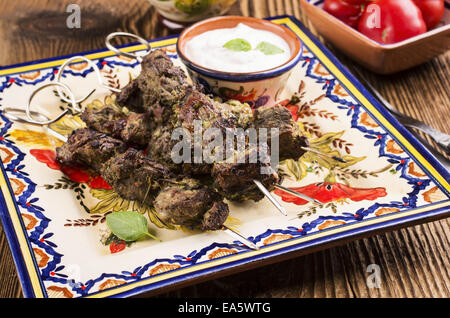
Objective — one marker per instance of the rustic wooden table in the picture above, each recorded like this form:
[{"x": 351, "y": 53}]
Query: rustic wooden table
[{"x": 414, "y": 261}]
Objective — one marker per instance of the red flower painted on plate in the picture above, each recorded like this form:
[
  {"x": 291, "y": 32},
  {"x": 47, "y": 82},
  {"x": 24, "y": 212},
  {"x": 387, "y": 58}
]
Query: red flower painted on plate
[
  {"x": 116, "y": 247},
  {"x": 294, "y": 110},
  {"x": 239, "y": 95},
  {"x": 291, "y": 107},
  {"x": 46, "y": 156},
  {"x": 75, "y": 174},
  {"x": 98, "y": 182},
  {"x": 328, "y": 192}
]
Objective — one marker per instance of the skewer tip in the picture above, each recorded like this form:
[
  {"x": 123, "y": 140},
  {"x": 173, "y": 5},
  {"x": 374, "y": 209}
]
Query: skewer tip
[
  {"x": 240, "y": 238},
  {"x": 299, "y": 195},
  {"x": 270, "y": 197}
]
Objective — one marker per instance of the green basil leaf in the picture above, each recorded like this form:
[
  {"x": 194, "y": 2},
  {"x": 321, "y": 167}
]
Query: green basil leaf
[
  {"x": 128, "y": 226},
  {"x": 269, "y": 48},
  {"x": 238, "y": 45}
]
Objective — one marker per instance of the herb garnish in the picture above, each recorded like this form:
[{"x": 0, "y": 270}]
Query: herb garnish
[
  {"x": 241, "y": 45},
  {"x": 238, "y": 45},
  {"x": 128, "y": 226},
  {"x": 269, "y": 48}
]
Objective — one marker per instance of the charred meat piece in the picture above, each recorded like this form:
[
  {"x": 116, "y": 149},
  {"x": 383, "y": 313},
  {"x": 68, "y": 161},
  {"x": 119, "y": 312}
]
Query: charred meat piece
[
  {"x": 215, "y": 217},
  {"x": 134, "y": 129},
  {"x": 160, "y": 148},
  {"x": 243, "y": 113},
  {"x": 291, "y": 139},
  {"x": 89, "y": 148},
  {"x": 134, "y": 176},
  {"x": 198, "y": 106},
  {"x": 235, "y": 180},
  {"x": 107, "y": 119},
  {"x": 138, "y": 129},
  {"x": 159, "y": 85},
  {"x": 194, "y": 106},
  {"x": 187, "y": 202}
]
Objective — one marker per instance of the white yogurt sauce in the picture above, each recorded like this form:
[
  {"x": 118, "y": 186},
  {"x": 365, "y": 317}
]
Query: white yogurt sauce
[{"x": 207, "y": 50}]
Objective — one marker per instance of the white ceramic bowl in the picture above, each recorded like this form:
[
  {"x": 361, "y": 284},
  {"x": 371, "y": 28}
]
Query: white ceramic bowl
[{"x": 255, "y": 88}]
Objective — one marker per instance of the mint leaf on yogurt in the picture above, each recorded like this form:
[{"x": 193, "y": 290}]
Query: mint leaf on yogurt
[
  {"x": 238, "y": 45},
  {"x": 269, "y": 48}
]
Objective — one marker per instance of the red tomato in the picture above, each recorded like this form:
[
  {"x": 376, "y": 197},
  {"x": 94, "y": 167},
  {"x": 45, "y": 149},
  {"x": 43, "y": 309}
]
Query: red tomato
[
  {"x": 432, "y": 11},
  {"x": 348, "y": 12},
  {"x": 391, "y": 21}
]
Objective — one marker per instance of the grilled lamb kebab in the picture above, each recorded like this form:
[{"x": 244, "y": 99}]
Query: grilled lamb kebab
[
  {"x": 233, "y": 180},
  {"x": 181, "y": 108},
  {"x": 178, "y": 200},
  {"x": 137, "y": 128},
  {"x": 161, "y": 90}
]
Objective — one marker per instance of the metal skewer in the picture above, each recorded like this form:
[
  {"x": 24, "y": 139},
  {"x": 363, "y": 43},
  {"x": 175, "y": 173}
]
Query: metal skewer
[
  {"x": 37, "y": 118},
  {"x": 10, "y": 113},
  {"x": 270, "y": 197},
  {"x": 31, "y": 120},
  {"x": 96, "y": 71},
  {"x": 239, "y": 237},
  {"x": 300, "y": 195},
  {"x": 119, "y": 52}
]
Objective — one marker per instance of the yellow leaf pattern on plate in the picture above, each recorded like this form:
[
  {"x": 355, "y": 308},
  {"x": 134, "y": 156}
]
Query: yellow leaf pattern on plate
[
  {"x": 111, "y": 201},
  {"x": 67, "y": 124},
  {"x": 31, "y": 138}
]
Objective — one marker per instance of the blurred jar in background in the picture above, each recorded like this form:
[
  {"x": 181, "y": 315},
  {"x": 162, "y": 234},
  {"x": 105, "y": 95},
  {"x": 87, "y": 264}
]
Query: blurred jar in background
[{"x": 183, "y": 12}]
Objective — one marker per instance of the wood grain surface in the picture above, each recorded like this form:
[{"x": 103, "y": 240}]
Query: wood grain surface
[{"x": 414, "y": 261}]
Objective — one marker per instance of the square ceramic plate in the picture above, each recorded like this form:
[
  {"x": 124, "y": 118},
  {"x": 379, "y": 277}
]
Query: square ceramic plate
[
  {"x": 380, "y": 58},
  {"x": 54, "y": 222}
]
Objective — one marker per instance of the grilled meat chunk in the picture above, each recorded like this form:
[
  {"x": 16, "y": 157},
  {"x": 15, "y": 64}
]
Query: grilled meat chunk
[
  {"x": 235, "y": 181},
  {"x": 159, "y": 85},
  {"x": 135, "y": 129},
  {"x": 134, "y": 176},
  {"x": 194, "y": 106},
  {"x": 291, "y": 139},
  {"x": 215, "y": 217},
  {"x": 160, "y": 148},
  {"x": 198, "y": 106},
  {"x": 187, "y": 202},
  {"x": 138, "y": 129},
  {"x": 107, "y": 119},
  {"x": 89, "y": 148}
]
